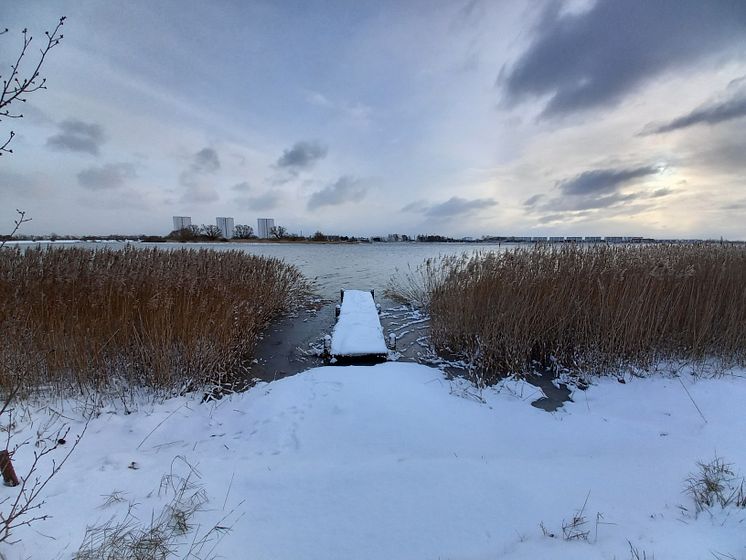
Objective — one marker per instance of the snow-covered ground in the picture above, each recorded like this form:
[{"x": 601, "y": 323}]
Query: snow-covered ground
[{"x": 394, "y": 461}]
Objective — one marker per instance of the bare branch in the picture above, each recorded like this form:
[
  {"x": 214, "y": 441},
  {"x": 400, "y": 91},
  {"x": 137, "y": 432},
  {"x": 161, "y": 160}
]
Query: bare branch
[
  {"x": 15, "y": 87},
  {"x": 22, "y": 219}
]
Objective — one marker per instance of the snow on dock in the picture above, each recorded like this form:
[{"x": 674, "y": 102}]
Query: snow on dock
[{"x": 358, "y": 332}]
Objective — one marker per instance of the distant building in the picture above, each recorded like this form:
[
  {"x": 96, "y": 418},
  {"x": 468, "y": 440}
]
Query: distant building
[
  {"x": 556, "y": 239},
  {"x": 182, "y": 222},
  {"x": 264, "y": 227},
  {"x": 225, "y": 225}
]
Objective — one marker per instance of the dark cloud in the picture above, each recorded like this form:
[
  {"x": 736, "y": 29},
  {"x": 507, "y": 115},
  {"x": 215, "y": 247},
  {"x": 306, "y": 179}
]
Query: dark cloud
[
  {"x": 594, "y": 58},
  {"x": 301, "y": 156},
  {"x": 344, "y": 189},
  {"x": 731, "y": 106},
  {"x": 602, "y": 181},
  {"x": 658, "y": 193},
  {"x": 205, "y": 161},
  {"x": 596, "y": 189},
  {"x": 532, "y": 201},
  {"x": 78, "y": 136},
  {"x": 457, "y": 206},
  {"x": 106, "y": 177}
]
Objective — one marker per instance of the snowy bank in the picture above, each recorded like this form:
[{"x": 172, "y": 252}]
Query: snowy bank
[{"x": 396, "y": 462}]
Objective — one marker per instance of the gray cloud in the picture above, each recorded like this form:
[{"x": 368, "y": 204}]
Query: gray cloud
[
  {"x": 106, "y": 177},
  {"x": 454, "y": 206},
  {"x": 302, "y": 155},
  {"x": 416, "y": 206},
  {"x": 77, "y": 136},
  {"x": 532, "y": 201},
  {"x": 200, "y": 194},
  {"x": 265, "y": 201},
  {"x": 595, "y": 190},
  {"x": 732, "y": 106},
  {"x": 658, "y": 193},
  {"x": 457, "y": 206},
  {"x": 205, "y": 161},
  {"x": 602, "y": 181},
  {"x": 241, "y": 187},
  {"x": 594, "y": 58},
  {"x": 344, "y": 189}
]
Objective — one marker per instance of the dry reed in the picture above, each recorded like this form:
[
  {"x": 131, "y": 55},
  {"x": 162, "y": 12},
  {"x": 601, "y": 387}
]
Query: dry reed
[
  {"x": 74, "y": 319},
  {"x": 594, "y": 309}
]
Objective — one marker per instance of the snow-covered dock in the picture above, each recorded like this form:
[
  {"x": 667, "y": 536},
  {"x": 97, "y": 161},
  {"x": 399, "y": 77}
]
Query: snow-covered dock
[{"x": 358, "y": 333}]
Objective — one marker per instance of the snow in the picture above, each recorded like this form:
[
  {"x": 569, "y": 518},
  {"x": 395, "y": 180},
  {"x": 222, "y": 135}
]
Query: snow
[
  {"x": 358, "y": 330},
  {"x": 395, "y": 461}
]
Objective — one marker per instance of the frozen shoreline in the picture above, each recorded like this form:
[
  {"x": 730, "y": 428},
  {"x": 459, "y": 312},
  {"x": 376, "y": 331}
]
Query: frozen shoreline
[{"x": 396, "y": 461}]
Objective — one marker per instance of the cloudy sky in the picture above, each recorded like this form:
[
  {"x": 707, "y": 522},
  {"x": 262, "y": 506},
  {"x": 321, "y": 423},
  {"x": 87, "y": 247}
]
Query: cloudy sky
[{"x": 470, "y": 117}]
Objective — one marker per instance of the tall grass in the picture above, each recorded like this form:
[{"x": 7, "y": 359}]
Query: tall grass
[
  {"x": 594, "y": 308},
  {"x": 74, "y": 319}
]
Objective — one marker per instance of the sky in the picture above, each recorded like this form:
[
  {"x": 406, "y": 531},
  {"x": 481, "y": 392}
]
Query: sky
[{"x": 463, "y": 118}]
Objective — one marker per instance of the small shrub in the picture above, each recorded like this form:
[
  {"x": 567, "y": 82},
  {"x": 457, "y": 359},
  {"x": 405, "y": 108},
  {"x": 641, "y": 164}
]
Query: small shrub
[{"x": 716, "y": 483}]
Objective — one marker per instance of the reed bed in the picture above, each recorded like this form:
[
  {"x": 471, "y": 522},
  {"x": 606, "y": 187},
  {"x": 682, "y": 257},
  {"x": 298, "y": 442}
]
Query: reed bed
[
  {"x": 417, "y": 285},
  {"x": 73, "y": 319},
  {"x": 593, "y": 309}
]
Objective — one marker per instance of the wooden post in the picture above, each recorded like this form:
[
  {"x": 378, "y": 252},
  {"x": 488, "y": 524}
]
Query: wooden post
[{"x": 6, "y": 467}]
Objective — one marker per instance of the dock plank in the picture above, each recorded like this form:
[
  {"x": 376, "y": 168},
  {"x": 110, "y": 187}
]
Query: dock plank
[{"x": 358, "y": 331}]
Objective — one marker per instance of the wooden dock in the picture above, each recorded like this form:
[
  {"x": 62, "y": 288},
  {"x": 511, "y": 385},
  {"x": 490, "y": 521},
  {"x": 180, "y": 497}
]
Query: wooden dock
[{"x": 358, "y": 335}]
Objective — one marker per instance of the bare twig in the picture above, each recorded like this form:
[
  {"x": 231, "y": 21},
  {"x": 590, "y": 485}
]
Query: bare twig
[
  {"x": 15, "y": 87},
  {"x": 22, "y": 219}
]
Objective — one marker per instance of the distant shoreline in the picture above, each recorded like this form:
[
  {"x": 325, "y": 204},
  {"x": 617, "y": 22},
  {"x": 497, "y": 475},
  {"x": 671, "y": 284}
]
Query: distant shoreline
[{"x": 296, "y": 241}]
